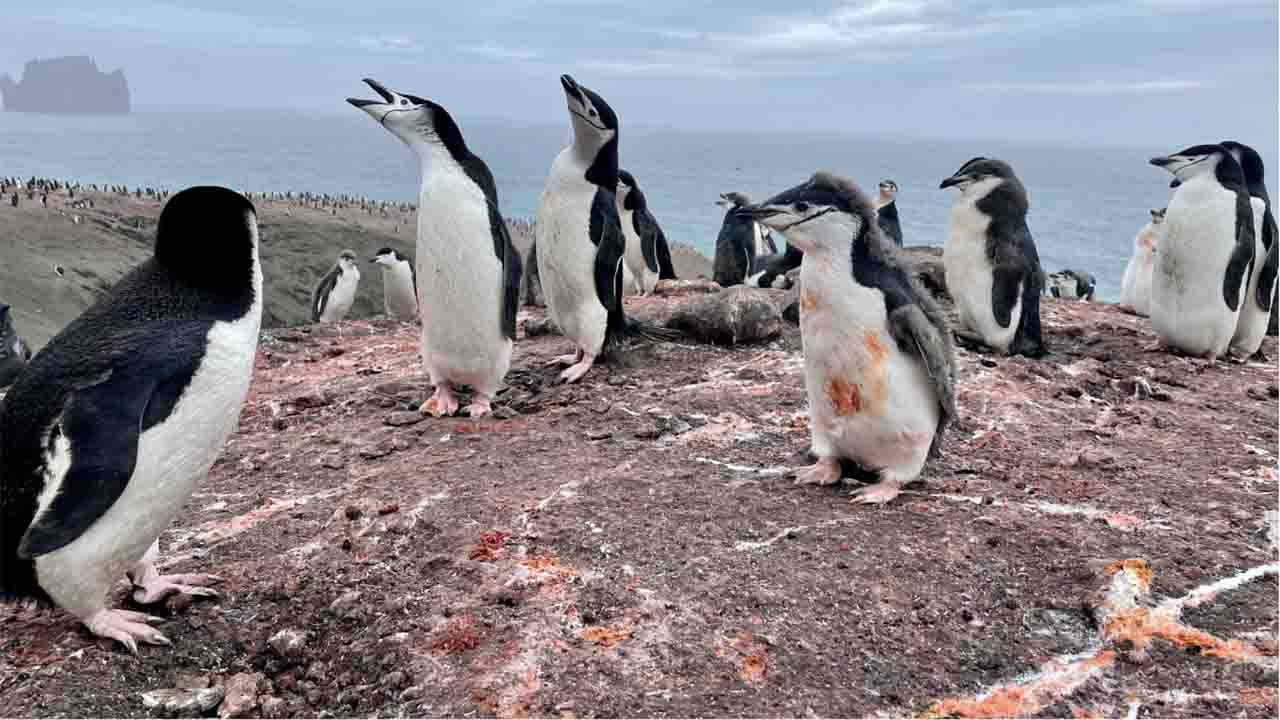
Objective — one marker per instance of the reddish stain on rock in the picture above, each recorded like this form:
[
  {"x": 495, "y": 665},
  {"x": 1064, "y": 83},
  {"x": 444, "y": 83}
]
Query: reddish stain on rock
[
  {"x": 458, "y": 636},
  {"x": 490, "y": 545},
  {"x": 751, "y": 657}
]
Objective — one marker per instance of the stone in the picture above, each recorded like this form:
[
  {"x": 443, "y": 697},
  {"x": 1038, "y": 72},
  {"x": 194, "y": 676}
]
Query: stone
[
  {"x": 241, "y": 697},
  {"x": 730, "y": 317},
  {"x": 677, "y": 288},
  {"x": 289, "y": 643},
  {"x": 274, "y": 707},
  {"x": 535, "y": 326},
  {"x": 403, "y": 418},
  {"x": 347, "y": 605},
  {"x": 178, "y": 702},
  {"x": 926, "y": 262}
]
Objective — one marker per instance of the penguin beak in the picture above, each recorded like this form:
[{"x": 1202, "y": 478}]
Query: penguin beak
[
  {"x": 952, "y": 181},
  {"x": 758, "y": 212},
  {"x": 1162, "y": 161},
  {"x": 388, "y": 98},
  {"x": 571, "y": 87}
]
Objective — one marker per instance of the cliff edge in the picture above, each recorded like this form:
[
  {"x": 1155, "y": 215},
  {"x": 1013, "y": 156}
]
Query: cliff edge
[{"x": 66, "y": 85}]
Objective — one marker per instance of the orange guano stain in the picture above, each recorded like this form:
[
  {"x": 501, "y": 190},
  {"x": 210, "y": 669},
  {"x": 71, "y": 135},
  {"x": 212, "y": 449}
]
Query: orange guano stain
[
  {"x": 1023, "y": 700},
  {"x": 1142, "y": 626},
  {"x": 808, "y": 301},
  {"x": 876, "y": 349},
  {"x": 1141, "y": 570},
  {"x": 846, "y": 397}
]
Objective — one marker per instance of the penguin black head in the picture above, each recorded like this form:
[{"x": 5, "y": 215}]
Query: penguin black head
[
  {"x": 416, "y": 121},
  {"x": 819, "y": 213},
  {"x": 387, "y": 256},
  {"x": 977, "y": 170},
  {"x": 1249, "y": 159},
  {"x": 888, "y": 190},
  {"x": 1157, "y": 215},
  {"x": 595, "y": 132},
  {"x": 733, "y": 200},
  {"x": 346, "y": 261},
  {"x": 1199, "y": 160},
  {"x": 207, "y": 236},
  {"x": 626, "y": 179}
]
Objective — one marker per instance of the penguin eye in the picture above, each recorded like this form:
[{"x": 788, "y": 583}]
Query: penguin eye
[
  {"x": 592, "y": 112},
  {"x": 802, "y": 206}
]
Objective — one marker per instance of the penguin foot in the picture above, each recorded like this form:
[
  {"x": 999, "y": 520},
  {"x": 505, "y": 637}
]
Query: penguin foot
[
  {"x": 126, "y": 627},
  {"x": 972, "y": 343},
  {"x": 824, "y": 472},
  {"x": 158, "y": 587},
  {"x": 878, "y": 494},
  {"x": 571, "y": 359},
  {"x": 479, "y": 406},
  {"x": 442, "y": 404},
  {"x": 574, "y": 373},
  {"x": 1259, "y": 356}
]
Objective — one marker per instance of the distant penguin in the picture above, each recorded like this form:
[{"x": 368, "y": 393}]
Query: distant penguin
[
  {"x": 647, "y": 256},
  {"x": 580, "y": 239},
  {"x": 771, "y": 270},
  {"x": 992, "y": 266},
  {"x": 1202, "y": 265},
  {"x": 1135, "y": 287},
  {"x": 1255, "y": 313},
  {"x": 887, "y": 211},
  {"x": 334, "y": 295},
  {"x": 879, "y": 366},
  {"x": 14, "y": 352},
  {"x": 740, "y": 241},
  {"x": 470, "y": 270},
  {"x": 108, "y": 430},
  {"x": 1072, "y": 285},
  {"x": 399, "y": 284}
]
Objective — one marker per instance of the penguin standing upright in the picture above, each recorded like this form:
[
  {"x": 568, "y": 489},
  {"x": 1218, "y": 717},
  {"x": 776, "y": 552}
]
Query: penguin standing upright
[
  {"x": 879, "y": 366},
  {"x": 1135, "y": 286},
  {"x": 336, "y": 291},
  {"x": 399, "y": 284},
  {"x": 740, "y": 242},
  {"x": 107, "y": 431},
  {"x": 470, "y": 271},
  {"x": 579, "y": 236},
  {"x": 1255, "y": 313},
  {"x": 887, "y": 211},
  {"x": 647, "y": 256},
  {"x": 990, "y": 259},
  {"x": 1202, "y": 265}
]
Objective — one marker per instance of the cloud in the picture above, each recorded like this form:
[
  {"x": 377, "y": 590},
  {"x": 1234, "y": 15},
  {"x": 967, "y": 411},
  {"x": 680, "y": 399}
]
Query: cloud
[
  {"x": 1095, "y": 88},
  {"x": 493, "y": 51}
]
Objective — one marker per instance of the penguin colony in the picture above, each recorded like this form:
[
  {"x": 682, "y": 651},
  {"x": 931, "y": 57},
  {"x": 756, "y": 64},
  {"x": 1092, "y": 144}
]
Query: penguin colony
[{"x": 106, "y": 431}]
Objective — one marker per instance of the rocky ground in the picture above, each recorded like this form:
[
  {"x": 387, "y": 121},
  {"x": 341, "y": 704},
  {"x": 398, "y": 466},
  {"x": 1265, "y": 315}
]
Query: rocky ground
[{"x": 1099, "y": 540}]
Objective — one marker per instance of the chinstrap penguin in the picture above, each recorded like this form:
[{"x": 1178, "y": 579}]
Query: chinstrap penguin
[
  {"x": 1072, "y": 285},
  {"x": 887, "y": 211},
  {"x": 1135, "y": 286},
  {"x": 580, "y": 239},
  {"x": 467, "y": 266},
  {"x": 990, "y": 259},
  {"x": 647, "y": 257},
  {"x": 106, "y": 433},
  {"x": 399, "y": 284},
  {"x": 336, "y": 291},
  {"x": 1255, "y": 311},
  {"x": 14, "y": 351},
  {"x": 1208, "y": 243},
  {"x": 771, "y": 270},
  {"x": 879, "y": 365},
  {"x": 740, "y": 242}
]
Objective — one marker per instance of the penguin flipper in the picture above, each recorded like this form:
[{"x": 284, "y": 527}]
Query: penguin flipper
[
  {"x": 1267, "y": 278},
  {"x": 917, "y": 336},
  {"x": 320, "y": 298},
  {"x": 650, "y": 234},
  {"x": 666, "y": 269},
  {"x": 606, "y": 235},
  {"x": 511, "y": 271},
  {"x": 102, "y": 424},
  {"x": 1241, "y": 261}
]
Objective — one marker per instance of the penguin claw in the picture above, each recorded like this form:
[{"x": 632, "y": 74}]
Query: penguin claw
[
  {"x": 877, "y": 494},
  {"x": 441, "y": 404},
  {"x": 126, "y": 627},
  {"x": 155, "y": 589},
  {"x": 571, "y": 359},
  {"x": 824, "y": 472},
  {"x": 574, "y": 372},
  {"x": 479, "y": 407}
]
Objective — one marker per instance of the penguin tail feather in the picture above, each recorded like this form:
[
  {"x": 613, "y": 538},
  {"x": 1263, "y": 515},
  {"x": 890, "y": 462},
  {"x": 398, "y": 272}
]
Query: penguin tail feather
[{"x": 646, "y": 331}]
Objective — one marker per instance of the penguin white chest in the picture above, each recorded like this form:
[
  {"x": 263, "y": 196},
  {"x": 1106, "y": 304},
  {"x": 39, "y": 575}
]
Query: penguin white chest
[
  {"x": 341, "y": 297},
  {"x": 637, "y": 269},
  {"x": 459, "y": 272},
  {"x": 566, "y": 259},
  {"x": 399, "y": 298},
  {"x": 172, "y": 457},
  {"x": 868, "y": 401},
  {"x": 969, "y": 274},
  {"x": 1135, "y": 286},
  {"x": 1188, "y": 310}
]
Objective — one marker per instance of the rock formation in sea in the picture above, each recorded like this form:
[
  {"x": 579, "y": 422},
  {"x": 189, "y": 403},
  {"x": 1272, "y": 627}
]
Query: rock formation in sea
[{"x": 66, "y": 85}]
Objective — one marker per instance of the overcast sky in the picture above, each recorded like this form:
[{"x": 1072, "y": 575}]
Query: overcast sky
[{"x": 1171, "y": 72}]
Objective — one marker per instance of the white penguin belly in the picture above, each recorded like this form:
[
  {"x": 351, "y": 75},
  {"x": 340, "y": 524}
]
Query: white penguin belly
[
  {"x": 172, "y": 457},
  {"x": 1188, "y": 310},
  {"x": 462, "y": 339},
  {"x": 566, "y": 263},
  {"x": 1251, "y": 327},
  {"x": 639, "y": 274},
  {"x": 341, "y": 297},
  {"x": 969, "y": 276},
  {"x": 398, "y": 293},
  {"x": 1135, "y": 287},
  {"x": 868, "y": 401}
]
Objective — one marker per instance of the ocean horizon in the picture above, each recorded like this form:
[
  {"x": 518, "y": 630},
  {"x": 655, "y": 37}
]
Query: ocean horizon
[{"x": 1087, "y": 203}]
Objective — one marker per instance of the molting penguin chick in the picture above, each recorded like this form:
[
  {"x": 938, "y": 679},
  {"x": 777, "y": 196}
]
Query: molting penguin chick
[
  {"x": 470, "y": 269},
  {"x": 336, "y": 291},
  {"x": 878, "y": 359},
  {"x": 887, "y": 211},
  {"x": 399, "y": 284},
  {"x": 1135, "y": 286},
  {"x": 991, "y": 263},
  {"x": 107, "y": 431},
  {"x": 580, "y": 239},
  {"x": 741, "y": 241},
  {"x": 1255, "y": 313},
  {"x": 14, "y": 352},
  {"x": 1205, "y": 251},
  {"x": 647, "y": 256}
]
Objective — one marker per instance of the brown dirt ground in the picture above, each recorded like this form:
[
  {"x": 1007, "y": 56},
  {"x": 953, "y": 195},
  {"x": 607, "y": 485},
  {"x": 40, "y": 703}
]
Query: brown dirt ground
[{"x": 629, "y": 546}]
